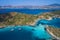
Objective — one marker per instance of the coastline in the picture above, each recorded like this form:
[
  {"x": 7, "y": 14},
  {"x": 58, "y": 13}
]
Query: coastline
[
  {"x": 52, "y": 34},
  {"x": 2, "y": 27},
  {"x": 30, "y": 24},
  {"x": 34, "y": 24},
  {"x": 35, "y": 21}
]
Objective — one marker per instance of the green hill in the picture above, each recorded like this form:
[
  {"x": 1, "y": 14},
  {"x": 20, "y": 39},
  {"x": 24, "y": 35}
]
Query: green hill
[{"x": 15, "y": 18}]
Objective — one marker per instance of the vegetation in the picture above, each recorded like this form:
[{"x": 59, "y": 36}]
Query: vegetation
[
  {"x": 15, "y": 18},
  {"x": 56, "y": 12},
  {"x": 48, "y": 15},
  {"x": 54, "y": 30}
]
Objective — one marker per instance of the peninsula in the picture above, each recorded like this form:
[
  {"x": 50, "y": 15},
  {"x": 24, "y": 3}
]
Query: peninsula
[
  {"x": 17, "y": 18},
  {"x": 54, "y": 31}
]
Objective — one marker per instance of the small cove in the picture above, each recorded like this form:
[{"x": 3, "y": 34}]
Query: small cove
[{"x": 28, "y": 32}]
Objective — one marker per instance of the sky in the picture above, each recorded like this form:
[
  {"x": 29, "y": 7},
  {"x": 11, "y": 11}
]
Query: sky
[{"x": 28, "y": 2}]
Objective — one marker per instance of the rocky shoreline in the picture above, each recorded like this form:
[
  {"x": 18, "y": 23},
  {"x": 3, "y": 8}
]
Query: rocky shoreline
[
  {"x": 31, "y": 24},
  {"x": 54, "y": 36}
]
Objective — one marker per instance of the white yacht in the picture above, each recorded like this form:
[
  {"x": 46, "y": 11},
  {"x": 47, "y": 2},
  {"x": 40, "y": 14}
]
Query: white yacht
[
  {"x": 19, "y": 29},
  {"x": 12, "y": 30}
]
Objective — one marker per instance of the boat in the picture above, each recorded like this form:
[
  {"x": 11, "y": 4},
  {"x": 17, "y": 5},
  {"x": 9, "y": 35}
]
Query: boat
[
  {"x": 12, "y": 30},
  {"x": 19, "y": 29}
]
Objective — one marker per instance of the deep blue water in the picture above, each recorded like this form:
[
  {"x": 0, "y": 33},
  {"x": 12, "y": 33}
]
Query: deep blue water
[
  {"x": 54, "y": 22},
  {"x": 27, "y": 11},
  {"x": 37, "y": 32},
  {"x": 26, "y": 33}
]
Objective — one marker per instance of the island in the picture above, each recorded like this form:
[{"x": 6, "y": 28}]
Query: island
[
  {"x": 17, "y": 18},
  {"x": 55, "y": 32}
]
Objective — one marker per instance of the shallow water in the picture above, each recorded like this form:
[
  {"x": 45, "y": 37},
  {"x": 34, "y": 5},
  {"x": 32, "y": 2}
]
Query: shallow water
[
  {"x": 54, "y": 22},
  {"x": 26, "y": 33}
]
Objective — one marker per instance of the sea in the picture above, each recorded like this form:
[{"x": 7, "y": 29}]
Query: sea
[{"x": 27, "y": 32}]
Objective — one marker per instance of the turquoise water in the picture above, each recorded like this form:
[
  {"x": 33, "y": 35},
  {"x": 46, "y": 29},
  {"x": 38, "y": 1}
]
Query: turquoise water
[
  {"x": 26, "y": 33},
  {"x": 40, "y": 32},
  {"x": 54, "y": 22}
]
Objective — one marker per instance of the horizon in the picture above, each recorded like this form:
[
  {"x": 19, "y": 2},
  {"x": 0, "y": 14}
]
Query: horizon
[
  {"x": 27, "y": 5},
  {"x": 28, "y": 2}
]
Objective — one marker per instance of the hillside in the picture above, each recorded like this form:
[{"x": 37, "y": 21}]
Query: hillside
[
  {"x": 54, "y": 30},
  {"x": 15, "y": 18},
  {"x": 51, "y": 6}
]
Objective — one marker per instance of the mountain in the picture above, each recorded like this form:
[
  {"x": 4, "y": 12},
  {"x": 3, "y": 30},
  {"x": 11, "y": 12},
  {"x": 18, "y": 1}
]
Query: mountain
[
  {"x": 51, "y": 6},
  {"x": 54, "y": 5}
]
